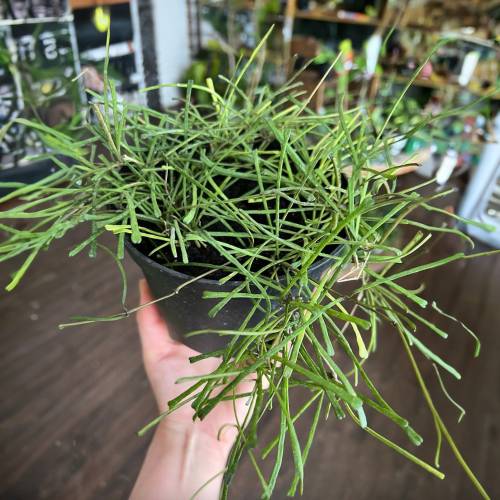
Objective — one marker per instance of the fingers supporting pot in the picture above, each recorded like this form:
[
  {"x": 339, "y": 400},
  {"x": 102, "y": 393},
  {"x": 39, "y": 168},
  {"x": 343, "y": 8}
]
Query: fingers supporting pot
[{"x": 155, "y": 337}]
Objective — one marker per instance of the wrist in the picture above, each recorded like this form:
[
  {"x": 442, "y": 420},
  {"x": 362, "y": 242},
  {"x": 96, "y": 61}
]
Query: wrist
[
  {"x": 188, "y": 439},
  {"x": 180, "y": 460}
]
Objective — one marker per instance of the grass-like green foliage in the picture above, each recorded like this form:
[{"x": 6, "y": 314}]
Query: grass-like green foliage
[{"x": 256, "y": 184}]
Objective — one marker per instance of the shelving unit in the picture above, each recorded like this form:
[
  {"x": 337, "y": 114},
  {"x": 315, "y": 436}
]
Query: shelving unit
[
  {"x": 85, "y": 4},
  {"x": 45, "y": 46},
  {"x": 36, "y": 20},
  {"x": 125, "y": 50},
  {"x": 380, "y": 23},
  {"x": 329, "y": 17},
  {"x": 48, "y": 48},
  {"x": 441, "y": 77},
  {"x": 452, "y": 87}
]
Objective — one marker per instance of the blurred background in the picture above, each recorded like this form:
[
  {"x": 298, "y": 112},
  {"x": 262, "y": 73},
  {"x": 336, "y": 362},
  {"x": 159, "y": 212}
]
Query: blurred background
[
  {"x": 72, "y": 402},
  {"x": 52, "y": 51}
]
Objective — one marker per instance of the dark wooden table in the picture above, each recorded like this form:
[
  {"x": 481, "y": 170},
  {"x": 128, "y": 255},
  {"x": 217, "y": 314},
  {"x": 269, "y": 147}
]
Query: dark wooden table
[{"x": 71, "y": 401}]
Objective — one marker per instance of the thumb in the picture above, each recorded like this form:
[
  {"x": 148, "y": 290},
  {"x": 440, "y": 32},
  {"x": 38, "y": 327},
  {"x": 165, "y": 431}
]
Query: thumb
[{"x": 153, "y": 331}]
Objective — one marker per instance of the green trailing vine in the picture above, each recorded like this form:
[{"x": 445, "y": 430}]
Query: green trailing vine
[{"x": 255, "y": 190}]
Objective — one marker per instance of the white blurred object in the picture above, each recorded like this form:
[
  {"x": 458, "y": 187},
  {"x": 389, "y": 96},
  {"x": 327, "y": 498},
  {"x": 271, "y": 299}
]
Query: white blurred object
[
  {"x": 481, "y": 201},
  {"x": 469, "y": 65},
  {"x": 373, "y": 46},
  {"x": 398, "y": 145},
  {"x": 447, "y": 166},
  {"x": 172, "y": 45}
]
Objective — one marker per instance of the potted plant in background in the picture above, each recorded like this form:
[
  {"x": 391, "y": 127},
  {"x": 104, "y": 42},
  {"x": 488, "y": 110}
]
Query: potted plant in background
[{"x": 248, "y": 212}]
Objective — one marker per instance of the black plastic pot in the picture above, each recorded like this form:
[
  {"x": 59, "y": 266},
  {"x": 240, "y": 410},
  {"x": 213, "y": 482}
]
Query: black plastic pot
[{"x": 187, "y": 310}]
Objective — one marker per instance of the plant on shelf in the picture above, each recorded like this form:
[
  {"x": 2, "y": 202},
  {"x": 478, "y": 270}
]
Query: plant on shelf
[
  {"x": 250, "y": 215},
  {"x": 209, "y": 62}
]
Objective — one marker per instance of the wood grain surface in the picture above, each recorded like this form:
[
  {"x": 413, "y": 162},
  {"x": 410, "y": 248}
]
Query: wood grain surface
[{"x": 72, "y": 400}]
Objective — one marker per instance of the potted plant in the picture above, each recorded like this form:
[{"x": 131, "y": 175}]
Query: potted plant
[{"x": 248, "y": 212}]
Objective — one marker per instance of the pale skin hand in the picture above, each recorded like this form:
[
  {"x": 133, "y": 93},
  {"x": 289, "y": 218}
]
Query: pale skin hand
[{"x": 183, "y": 454}]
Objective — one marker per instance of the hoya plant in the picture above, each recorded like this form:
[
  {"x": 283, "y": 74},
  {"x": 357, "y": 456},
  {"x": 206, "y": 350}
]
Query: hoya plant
[{"x": 247, "y": 212}]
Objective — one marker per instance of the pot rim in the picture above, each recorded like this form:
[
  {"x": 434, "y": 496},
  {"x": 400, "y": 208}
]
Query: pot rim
[{"x": 136, "y": 253}]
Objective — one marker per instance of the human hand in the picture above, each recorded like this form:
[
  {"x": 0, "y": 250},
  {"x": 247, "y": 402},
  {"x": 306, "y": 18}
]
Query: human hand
[{"x": 184, "y": 454}]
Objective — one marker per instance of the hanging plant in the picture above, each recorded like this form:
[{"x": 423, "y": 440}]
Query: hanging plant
[{"x": 248, "y": 213}]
